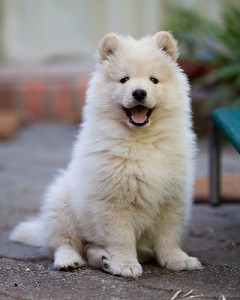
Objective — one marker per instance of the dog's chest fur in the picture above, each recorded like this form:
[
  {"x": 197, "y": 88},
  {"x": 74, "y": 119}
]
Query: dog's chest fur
[
  {"x": 125, "y": 175},
  {"x": 131, "y": 174}
]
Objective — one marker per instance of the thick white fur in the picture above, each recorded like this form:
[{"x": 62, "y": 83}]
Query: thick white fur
[{"x": 126, "y": 193}]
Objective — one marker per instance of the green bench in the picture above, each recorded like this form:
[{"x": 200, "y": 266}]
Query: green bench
[{"x": 227, "y": 121}]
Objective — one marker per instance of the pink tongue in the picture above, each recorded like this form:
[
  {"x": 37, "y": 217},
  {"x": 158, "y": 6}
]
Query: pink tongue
[{"x": 139, "y": 114}]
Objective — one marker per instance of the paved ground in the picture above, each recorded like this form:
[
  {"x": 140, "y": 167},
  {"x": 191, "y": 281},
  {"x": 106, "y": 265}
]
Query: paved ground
[{"x": 27, "y": 164}]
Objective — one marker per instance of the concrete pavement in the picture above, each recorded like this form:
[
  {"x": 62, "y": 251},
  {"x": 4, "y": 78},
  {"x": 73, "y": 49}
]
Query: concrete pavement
[{"x": 28, "y": 163}]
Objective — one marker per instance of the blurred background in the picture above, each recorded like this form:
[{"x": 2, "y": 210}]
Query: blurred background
[{"x": 47, "y": 49}]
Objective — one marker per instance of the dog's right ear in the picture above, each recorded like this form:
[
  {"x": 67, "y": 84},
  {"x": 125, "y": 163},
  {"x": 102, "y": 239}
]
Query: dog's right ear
[{"x": 108, "y": 46}]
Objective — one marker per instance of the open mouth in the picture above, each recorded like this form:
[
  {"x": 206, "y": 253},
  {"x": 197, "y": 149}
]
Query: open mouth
[{"x": 138, "y": 115}]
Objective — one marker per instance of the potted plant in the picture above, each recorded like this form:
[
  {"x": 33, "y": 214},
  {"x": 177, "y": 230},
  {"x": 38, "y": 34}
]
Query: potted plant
[
  {"x": 223, "y": 83},
  {"x": 195, "y": 36}
]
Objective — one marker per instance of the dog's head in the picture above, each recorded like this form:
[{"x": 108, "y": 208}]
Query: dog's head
[{"x": 140, "y": 77}]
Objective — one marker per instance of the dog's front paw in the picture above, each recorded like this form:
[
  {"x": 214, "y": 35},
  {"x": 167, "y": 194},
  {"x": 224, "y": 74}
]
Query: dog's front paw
[
  {"x": 67, "y": 259},
  {"x": 125, "y": 268},
  {"x": 179, "y": 260}
]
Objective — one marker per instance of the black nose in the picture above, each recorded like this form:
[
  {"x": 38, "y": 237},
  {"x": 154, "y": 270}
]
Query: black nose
[{"x": 139, "y": 95}]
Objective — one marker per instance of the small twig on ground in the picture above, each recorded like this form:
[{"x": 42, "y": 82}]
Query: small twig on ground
[
  {"x": 176, "y": 295},
  {"x": 188, "y": 294}
]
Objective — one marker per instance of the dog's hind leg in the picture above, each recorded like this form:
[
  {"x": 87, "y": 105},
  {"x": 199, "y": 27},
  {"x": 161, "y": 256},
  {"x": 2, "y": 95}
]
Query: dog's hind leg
[
  {"x": 63, "y": 234},
  {"x": 67, "y": 246},
  {"x": 96, "y": 256},
  {"x": 66, "y": 258}
]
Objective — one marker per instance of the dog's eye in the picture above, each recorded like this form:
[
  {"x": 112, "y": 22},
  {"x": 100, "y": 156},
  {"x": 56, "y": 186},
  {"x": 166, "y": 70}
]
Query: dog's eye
[
  {"x": 124, "y": 79},
  {"x": 154, "y": 80}
]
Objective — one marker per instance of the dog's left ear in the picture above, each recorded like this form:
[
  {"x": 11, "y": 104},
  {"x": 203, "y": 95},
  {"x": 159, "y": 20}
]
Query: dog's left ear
[
  {"x": 108, "y": 46},
  {"x": 167, "y": 43}
]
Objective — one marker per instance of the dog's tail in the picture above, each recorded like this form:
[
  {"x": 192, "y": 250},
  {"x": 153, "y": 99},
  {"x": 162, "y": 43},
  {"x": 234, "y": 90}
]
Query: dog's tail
[{"x": 30, "y": 232}]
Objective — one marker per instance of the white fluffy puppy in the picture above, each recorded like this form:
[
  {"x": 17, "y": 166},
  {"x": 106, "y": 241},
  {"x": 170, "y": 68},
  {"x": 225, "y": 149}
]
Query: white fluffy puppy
[{"x": 126, "y": 194}]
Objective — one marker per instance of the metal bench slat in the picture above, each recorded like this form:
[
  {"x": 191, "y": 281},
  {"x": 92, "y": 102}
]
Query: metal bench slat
[{"x": 228, "y": 120}]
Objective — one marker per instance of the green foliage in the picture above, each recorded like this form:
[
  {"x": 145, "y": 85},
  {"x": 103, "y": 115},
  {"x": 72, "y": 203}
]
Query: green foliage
[
  {"x": 194, "y": 33},
  {"x": 225, "y": 78},
  {"x": 202, "y": 41}
]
